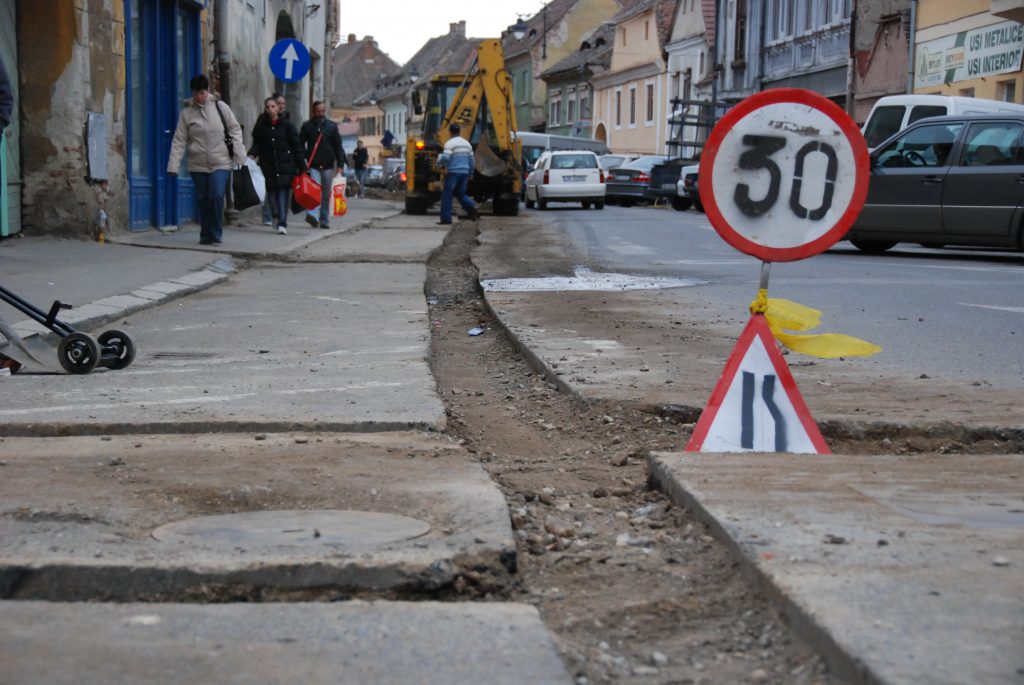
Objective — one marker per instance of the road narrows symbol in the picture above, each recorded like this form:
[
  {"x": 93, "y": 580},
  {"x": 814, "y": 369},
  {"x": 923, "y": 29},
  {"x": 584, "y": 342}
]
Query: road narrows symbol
[{"x": 741, "y": 418}]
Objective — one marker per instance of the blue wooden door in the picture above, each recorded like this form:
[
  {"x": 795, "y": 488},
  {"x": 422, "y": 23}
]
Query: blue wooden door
[{"x": 163, "y": 54}]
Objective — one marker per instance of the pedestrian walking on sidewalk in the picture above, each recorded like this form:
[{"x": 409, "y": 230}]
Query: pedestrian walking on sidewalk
[
  {"x": 269, "y": 219},
  {"x": 6, "y": 99},
  {"x": 457, "y": 158},
  {"x": 360, "y": 157},
  {"x": 321, "y": 135},
  {"x": 276, "y": 148},
  {"x": 208, "y": 130}
]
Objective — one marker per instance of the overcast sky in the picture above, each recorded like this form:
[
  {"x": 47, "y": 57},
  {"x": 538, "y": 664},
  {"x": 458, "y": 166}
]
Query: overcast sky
[{"x": 401, "y": 28}]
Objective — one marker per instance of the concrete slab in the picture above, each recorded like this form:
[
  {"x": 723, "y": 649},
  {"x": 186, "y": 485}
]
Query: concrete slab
[
  {"x": 253, "y": 239},
  {"x": 42, "y": 270},
  {"x": 316, "y": 347},
  {"x": 423, "y": 221},
  {"x": 899, "y": 569},
  {"x": 353, "y": 643},
  {"x": 381, "y": 243},
  {"x": 79, "y": 514}
]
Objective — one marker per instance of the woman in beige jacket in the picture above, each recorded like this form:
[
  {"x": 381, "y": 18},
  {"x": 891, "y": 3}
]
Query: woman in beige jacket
[{"x": 208, "y": 130}]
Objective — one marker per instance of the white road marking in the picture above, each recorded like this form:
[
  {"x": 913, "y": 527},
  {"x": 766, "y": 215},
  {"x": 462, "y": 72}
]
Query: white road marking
[
  {"x": 1016, "y": 310},
  {"x": 587, "y": 280},
  {"x": 941, "y": 267}
]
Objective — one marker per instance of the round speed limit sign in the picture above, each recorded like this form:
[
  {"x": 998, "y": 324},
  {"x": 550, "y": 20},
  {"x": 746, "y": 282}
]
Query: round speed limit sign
[{"x": 784, "y": 174}]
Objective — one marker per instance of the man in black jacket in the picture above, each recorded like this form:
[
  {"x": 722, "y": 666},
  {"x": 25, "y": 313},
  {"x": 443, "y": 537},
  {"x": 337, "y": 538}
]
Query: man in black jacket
[{"x": 322, "y": 135}]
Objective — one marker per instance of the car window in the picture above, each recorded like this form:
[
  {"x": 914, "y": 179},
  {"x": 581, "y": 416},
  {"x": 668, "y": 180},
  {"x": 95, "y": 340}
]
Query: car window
[
  {"x": 532, "y": 152},
  {"x": 573, "y": 162},
  {"x": 883, "y": 123},
  {"x": 925, "y": 111},
  {"x": 992, "y": 144},
  {"x": 925, "y": 146},
  {"x": 644, "y": 163}
]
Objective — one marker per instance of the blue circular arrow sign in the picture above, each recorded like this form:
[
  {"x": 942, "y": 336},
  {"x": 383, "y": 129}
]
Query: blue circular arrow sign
[{"x": 289, "y": 60}]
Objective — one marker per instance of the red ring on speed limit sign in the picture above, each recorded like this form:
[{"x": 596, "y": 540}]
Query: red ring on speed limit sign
[{"x": 777, "y": 152}]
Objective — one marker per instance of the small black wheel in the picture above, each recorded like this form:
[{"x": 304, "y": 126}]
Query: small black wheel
[
  {"x": 586, "y": 205},
  {"x": 681, "y": 204},
  {"x": 542, "y": 205},
  {"x": 78, "y": 353},
  {"x": 599, "y": 204},
  {"x": 529, "y": 203},
  {"x": 698, "y": 206},
  {"x": 117, "y": 349}
]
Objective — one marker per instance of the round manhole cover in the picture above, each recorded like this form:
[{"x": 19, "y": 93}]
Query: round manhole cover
[{"x": 294, "y": 527}]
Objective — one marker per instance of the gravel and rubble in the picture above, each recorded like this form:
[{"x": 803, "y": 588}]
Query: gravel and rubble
[{"x": 634, "y": 589}]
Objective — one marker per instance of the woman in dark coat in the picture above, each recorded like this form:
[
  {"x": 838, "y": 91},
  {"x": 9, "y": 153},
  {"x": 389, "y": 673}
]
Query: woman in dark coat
[{"x": 278, "y": 150}]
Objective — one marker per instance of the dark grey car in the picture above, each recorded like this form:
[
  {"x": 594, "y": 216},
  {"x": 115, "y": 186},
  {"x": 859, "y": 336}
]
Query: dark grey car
[
  {"x": 956, "y": 180},
  {"x": 628, "y": 184}
]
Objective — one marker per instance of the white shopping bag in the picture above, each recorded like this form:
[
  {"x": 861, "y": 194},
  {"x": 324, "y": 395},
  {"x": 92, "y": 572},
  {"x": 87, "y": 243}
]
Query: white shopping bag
[{"x": 258, "y": 182}]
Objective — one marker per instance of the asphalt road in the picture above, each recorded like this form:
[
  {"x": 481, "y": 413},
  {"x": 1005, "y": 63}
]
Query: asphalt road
[{"x": 947, "y": 313}]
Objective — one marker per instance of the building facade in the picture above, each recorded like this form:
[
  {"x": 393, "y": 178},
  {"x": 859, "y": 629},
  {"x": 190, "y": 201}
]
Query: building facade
[
  {"x": 359, "y": 68},
  {"x": 551, "y": 35},
  {"x": 962, "y": 47},
  {"x": 783, "y": 43},
  {"x": 631, "y": 98},
  {"x": 101, "y": 84},
  {"x": 881, "y": 53},
  {"x": 570, "y": 100},
  {"x": 691, "y": 60}
]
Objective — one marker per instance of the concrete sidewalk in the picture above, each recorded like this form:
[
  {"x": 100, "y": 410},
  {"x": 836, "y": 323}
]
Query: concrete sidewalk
[{"x": 106, "y": 282}]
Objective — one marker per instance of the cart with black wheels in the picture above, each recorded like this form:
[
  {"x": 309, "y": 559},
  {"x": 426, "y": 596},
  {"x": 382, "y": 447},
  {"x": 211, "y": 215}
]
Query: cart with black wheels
[{"x": 77, "y": 352}]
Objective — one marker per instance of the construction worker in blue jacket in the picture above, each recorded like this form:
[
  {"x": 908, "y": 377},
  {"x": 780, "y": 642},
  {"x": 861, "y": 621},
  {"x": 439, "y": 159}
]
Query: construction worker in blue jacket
[{"x": 457, "y": 158}]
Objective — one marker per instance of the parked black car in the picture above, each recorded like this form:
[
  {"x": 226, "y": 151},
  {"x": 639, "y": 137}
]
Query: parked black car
[
  {"x": 664, "y": 179},
  {"x": 955, "y": 180}
]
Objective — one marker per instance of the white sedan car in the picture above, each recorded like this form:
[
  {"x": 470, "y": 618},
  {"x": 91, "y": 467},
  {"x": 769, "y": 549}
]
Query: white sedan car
[{"x": 566, "y": 176}]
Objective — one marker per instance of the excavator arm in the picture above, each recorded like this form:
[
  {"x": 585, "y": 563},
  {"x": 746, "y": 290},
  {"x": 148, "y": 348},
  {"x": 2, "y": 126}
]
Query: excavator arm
[{"x": 489, "y": 81}]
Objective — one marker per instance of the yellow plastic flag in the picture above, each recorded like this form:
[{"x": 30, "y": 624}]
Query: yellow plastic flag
[{"x": 782, "y": 315}]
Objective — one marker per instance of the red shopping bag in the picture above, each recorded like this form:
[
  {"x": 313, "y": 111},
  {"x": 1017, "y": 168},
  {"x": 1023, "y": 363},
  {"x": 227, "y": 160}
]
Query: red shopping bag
[{"x": 305, "y": 191}]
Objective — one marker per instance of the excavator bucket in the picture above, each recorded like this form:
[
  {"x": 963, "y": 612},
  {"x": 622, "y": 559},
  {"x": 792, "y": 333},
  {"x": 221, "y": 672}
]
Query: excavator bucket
[{"x": 487, "y": 162}]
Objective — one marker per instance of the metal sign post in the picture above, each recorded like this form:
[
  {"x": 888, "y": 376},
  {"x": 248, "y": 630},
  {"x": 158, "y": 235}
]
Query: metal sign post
[{"x": 783, "y": 177}]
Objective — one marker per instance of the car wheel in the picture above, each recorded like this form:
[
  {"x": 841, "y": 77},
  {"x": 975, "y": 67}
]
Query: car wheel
[
  {"x": 681, "y": 204},
  {"x": 529, "y": 203},
  {"x": 542, "y": 204},
  {"x": 698, "y": 206},
  {"x": 586, "y": 205},
  {"x": 599, "y": 204},
  {"x": 873, "y": 246}
]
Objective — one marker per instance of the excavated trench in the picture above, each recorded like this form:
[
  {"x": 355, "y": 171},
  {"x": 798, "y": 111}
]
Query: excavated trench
[{"x": 634, "y": 588}]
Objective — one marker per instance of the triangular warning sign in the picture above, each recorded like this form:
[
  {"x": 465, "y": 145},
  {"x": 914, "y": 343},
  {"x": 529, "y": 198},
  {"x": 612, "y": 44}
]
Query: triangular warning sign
[{"x": 756, "y": 406}]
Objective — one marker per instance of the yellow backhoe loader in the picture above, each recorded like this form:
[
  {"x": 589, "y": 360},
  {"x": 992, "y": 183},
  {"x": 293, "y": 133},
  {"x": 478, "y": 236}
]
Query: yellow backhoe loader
[{"x": 480, "y": 102}]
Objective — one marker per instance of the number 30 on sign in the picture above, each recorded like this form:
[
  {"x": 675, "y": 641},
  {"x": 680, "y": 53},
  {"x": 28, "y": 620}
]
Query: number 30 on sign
[{"x": 784, "y": 175}]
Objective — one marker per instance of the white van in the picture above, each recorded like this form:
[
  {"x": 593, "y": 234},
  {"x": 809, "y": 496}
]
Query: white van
[
  {"x": 894, "y": 113},
  {"x": 536, "y": 143}
]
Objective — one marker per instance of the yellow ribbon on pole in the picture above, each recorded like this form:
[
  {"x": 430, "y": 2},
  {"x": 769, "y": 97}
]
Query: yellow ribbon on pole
[{"x": 782, "y": 315}]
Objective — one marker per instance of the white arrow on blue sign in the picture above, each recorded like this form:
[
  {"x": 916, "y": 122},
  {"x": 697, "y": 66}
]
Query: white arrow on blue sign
[{"x": 289, "y": 60}]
